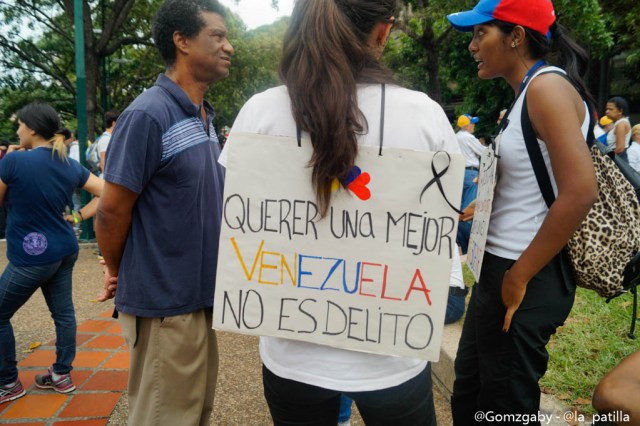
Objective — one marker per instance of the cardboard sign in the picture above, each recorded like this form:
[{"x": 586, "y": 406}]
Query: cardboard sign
[
  {"x": 484, "y": 202},
  {"x": 372, "y": 275}
]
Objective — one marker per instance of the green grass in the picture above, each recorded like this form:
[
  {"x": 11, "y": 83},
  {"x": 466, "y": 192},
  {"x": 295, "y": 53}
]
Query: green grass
[{"x": 592, "y": 342}]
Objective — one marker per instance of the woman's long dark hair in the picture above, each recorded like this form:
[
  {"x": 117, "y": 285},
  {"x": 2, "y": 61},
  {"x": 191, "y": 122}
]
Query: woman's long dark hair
[
  {"x": 325, "y": 54},
  {"x": 570, "y": 55}
]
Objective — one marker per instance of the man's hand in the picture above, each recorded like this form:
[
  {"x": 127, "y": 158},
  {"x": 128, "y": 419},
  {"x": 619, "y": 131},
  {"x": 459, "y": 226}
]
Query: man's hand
[
  {"x": 512, "y": 295},
  {"x": 110, "y": 284}
]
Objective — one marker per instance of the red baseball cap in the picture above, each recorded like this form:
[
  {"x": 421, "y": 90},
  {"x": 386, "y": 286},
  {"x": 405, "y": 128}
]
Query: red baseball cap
[{"x": 537, "y": 15}]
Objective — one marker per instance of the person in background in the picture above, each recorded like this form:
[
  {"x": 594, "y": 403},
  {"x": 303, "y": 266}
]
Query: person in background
[
  {"x": 41, "y": 246},
  {"x": 525, "y": 290},
  {"x": 303, "y": 381},
  {"x": 619, "y": 135},
  {"x": 159, "y": 220},
  {"x": 4, "y": 147},
  {"x": 345, "y": 410},
  {"x": 633, "y": 153},
  {"x": 110, "y": 119},
  {"x": 601, "y": 131},
  {"x": 73, "y": 151},
  {"x": 472, "y": 150}
]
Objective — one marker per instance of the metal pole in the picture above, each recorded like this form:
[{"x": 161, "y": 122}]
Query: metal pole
[{"x": 81, "y": 105}]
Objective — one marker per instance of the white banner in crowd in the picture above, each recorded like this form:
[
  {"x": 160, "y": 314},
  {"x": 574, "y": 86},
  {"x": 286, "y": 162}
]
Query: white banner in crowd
[
  {"x": 484, "y": 203},
  {"x": 372, "y": 275}
]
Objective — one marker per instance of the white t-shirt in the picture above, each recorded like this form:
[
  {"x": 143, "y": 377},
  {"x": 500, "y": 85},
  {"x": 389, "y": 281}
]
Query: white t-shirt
[
  {"x": 103, "y": 142},
  {"x": 633, "y": 155},
  {"x": 518, "y": 206},
  {"x": 413, "y": 121},
  {"x": 74, "y": 151},
  {"x": 470, "y": 147}
]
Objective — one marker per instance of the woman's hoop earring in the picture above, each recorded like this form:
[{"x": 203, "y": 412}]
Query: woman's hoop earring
[{"x": 513, "y": 44}]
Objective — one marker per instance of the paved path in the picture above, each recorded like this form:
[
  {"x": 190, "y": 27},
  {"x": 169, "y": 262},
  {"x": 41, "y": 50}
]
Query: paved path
[{"x": 100, "y": 375}]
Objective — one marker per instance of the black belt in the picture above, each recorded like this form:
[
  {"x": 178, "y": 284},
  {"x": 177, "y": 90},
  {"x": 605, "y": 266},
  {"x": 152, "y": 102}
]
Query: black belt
[
  {"x": 457, "y": 291},
  {"x": 472, "y": 168}
]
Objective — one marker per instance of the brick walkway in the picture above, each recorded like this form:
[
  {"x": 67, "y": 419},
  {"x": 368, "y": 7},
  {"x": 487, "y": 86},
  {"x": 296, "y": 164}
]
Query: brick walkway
[{"x": 100, "y": 373}]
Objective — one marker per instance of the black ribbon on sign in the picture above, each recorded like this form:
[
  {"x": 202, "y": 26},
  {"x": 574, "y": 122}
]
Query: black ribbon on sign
[{"x": 436, "y": 179}]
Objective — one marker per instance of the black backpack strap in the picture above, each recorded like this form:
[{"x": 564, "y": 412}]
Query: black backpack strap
[{"x": 535, "y": 154}]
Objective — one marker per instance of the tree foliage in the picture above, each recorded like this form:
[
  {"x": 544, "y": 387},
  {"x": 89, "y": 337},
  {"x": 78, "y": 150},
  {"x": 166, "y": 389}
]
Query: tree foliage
[
  {"x": 424, "y": 52},
  {"x": 38, "y": 41},
  {"x": 119, "y": 57},
  {"x": 428, "y": 55}
]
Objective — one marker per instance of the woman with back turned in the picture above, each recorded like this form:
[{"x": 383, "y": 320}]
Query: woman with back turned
[{"x": 333, "y": 93}]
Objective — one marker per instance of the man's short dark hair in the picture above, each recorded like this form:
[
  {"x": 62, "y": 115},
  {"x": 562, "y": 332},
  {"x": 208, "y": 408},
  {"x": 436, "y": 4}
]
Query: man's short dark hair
[
  {"x": 182, "y": 16},
  {"x": 110, "y": 117}
]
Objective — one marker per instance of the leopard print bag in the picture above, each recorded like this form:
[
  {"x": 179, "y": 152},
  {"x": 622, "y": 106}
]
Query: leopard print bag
[
  {"x": 609, "y": 237},
  {"x": 603, "y": 249}
]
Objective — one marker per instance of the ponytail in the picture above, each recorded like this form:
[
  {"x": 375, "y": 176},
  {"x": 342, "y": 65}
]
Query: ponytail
[
  {"x": 325, "y": 55},
  {"x": 573, "y": 58},
  {"x": 57, "y": 141}
]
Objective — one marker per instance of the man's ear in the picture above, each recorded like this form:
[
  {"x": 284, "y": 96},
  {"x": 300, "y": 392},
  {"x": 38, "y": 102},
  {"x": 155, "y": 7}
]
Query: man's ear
[{"x": 181, "y": 42}]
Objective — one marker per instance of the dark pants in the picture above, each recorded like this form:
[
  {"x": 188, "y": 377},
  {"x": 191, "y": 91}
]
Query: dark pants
[
  {"x": 295, "y": 403},
  {"x": 17, "y": 285},
  {"x": 497, "y": 371},
  {"x": 455, "y": 304}
]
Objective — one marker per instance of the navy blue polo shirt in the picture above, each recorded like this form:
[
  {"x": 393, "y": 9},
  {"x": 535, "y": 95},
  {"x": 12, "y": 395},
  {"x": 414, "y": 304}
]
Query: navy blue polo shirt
[
  {"x": 39, "y": 188},
  {"x": 162, "y": 150}
]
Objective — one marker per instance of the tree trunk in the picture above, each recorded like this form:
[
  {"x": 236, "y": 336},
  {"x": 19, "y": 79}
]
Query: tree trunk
[{"x": 432, "y": 52}]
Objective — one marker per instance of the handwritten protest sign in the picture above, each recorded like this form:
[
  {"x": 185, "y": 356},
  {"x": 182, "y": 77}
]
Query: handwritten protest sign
[
  {"x": 484, "y": 203},
  {"x": 372, "y": 275}
]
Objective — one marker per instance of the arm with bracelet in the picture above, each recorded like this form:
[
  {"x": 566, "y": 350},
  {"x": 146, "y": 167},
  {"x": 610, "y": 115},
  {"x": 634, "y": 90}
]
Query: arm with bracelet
[{"x": 94, "y": 186}]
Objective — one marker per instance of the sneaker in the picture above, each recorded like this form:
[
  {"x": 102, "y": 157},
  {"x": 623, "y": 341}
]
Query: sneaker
[
  {"x": 11, "y": 392},
  {"x": 62, "y": 385}
]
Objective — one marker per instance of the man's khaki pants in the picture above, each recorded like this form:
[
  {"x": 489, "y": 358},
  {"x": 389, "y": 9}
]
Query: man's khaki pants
[{"x": 173, "y": 369}]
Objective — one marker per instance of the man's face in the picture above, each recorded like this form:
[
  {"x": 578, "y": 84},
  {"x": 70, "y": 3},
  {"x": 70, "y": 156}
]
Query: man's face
[{"x": 210, "y": 52}]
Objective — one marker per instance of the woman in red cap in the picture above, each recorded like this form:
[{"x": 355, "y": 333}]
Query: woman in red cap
[{"x": 525, "y": 291}]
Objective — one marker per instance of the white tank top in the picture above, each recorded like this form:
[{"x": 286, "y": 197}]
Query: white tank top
[
  {"x": 518, "y": 206},
  {"x": 611, "y": 136}
]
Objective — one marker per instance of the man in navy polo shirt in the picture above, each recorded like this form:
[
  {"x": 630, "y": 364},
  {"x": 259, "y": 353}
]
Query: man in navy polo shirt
[{"x": 159, "y": 220}]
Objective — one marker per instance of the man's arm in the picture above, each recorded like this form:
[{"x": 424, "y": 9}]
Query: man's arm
[
  {"x": 102, "y": 156},
  {"x": 113, "y": 222}
]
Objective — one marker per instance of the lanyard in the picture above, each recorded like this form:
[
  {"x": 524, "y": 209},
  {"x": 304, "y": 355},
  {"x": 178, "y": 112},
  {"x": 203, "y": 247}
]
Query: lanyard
[{"x": 532, "y": 70}]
